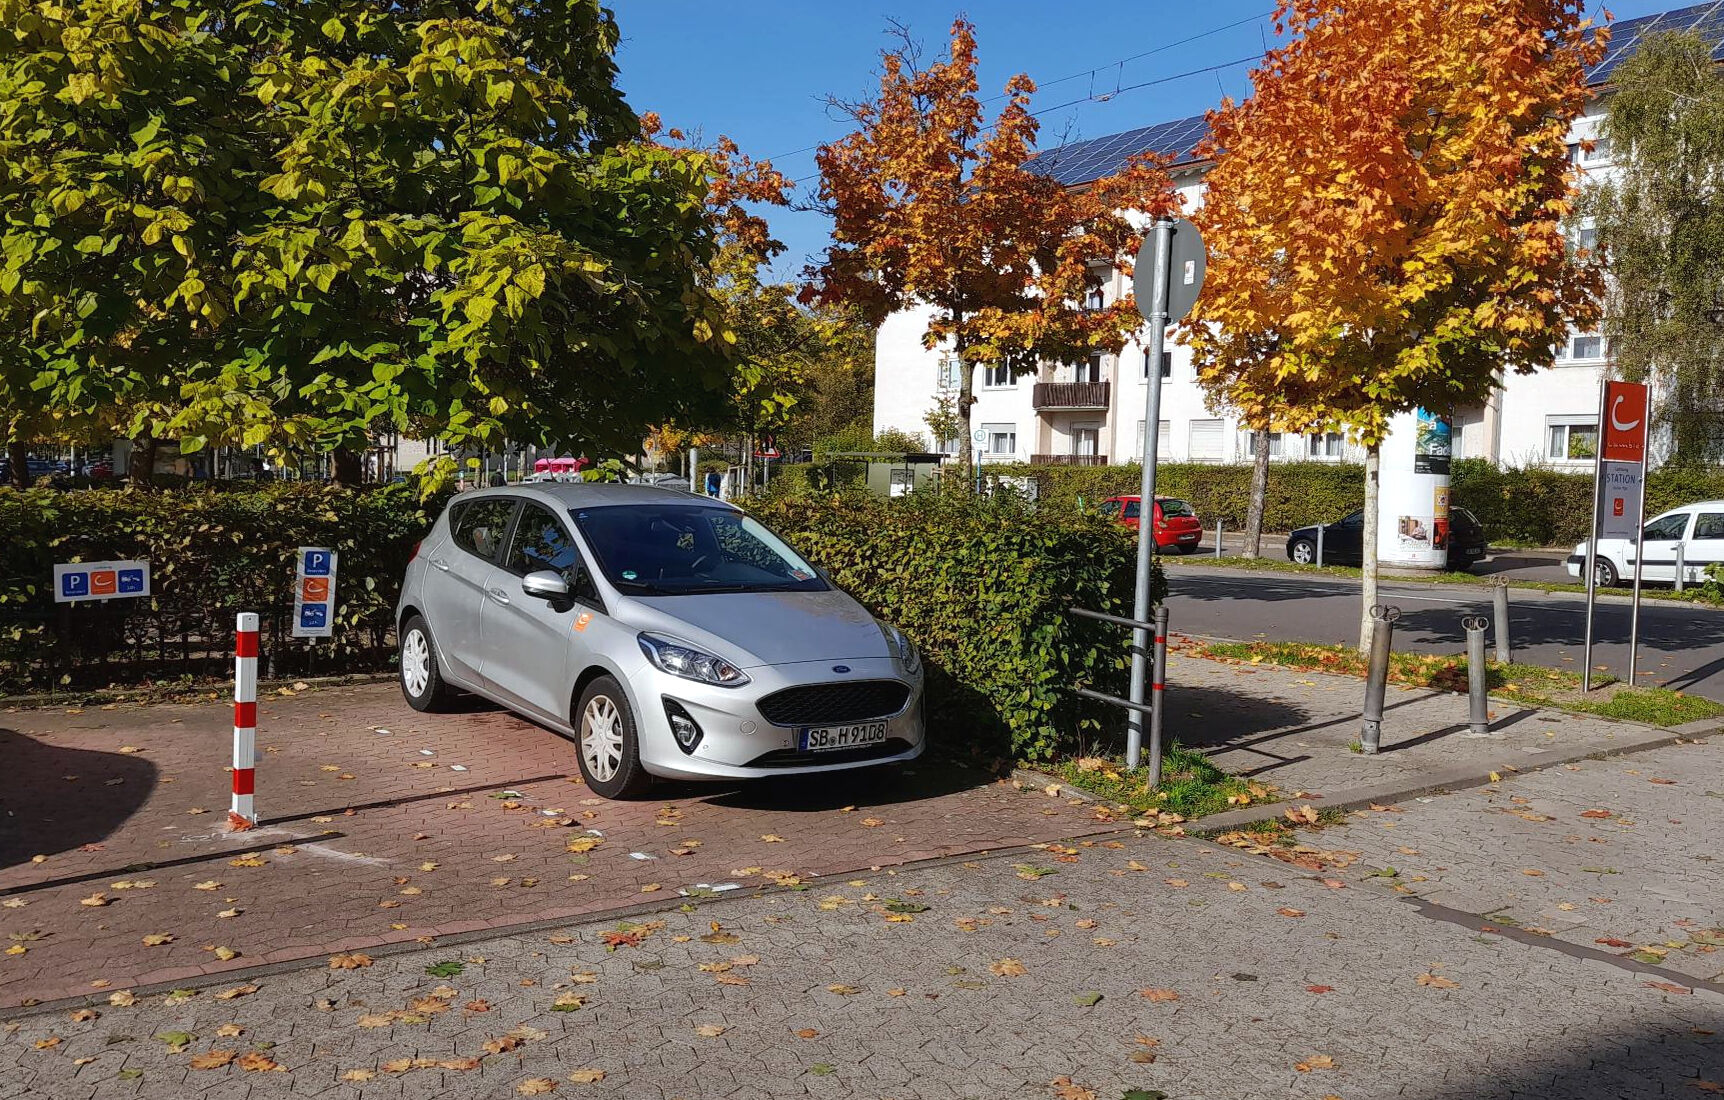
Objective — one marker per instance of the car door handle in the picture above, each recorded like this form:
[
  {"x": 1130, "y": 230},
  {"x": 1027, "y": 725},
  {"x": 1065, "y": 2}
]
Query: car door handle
[
  {"x": 499, "y": 595},
  {"x": 441, "y": 564}
]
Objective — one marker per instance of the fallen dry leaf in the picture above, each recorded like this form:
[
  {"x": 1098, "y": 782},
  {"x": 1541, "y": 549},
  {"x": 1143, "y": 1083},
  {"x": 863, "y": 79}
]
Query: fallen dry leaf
[
  {"x": 1158, "y": 996},
  {"x": 1436, "y": 981},
  {"x": 587, "y": 1076},
  {"x": 230, "y": 1031},
  {"x": 808, "y": 1033},
  {"x": 353, "y": 961},
  {"x": 237, "y": 991},
  {"x": 123, "y": 998},
  {"x": 1320, "y": 1061},
  {"x": 1008, "y": 968},
  {"x": 1288, "y": 911},
  {"x": 256, "y": 1061},
  {"x": 536, "y": 1086},
  {"x": 213, "y": 1059},
  {"x": 1066, "y": 1089},
  {"x": 709, "y": 1031},
  {"x": 157, "y": 939},
  {"x": 1670, "y": 987}
]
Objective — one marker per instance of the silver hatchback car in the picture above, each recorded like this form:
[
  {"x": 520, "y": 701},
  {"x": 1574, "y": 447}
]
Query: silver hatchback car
[{"x": 668, "y": 634}]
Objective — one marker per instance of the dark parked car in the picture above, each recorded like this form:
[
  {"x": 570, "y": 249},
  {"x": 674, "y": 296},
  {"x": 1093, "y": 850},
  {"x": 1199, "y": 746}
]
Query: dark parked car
[{"x": 1343, "y": 541}]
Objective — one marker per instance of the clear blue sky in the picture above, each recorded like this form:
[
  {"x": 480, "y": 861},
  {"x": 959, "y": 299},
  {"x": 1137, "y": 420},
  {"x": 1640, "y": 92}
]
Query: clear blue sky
[{"x": 759, "y": 70}]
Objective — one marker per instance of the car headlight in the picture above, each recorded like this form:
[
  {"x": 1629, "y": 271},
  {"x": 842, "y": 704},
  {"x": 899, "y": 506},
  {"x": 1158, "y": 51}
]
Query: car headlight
[
  {"x": 902, "y": 648},
  {"x": 680, "y": 659}
]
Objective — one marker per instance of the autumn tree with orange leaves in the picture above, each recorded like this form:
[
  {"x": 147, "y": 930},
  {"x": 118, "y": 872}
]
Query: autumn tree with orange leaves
[
  {"x": 933, "y": 207},
  {"x": 1384, "y": 216}
]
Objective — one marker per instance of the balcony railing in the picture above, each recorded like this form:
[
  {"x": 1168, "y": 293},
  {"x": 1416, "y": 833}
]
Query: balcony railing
[
  {"x": 1069, "y": 460},
  {"x": 1070, "y": 395}
]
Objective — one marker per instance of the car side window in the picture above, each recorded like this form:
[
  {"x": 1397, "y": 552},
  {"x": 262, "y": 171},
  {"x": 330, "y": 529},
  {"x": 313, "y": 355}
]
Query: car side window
[
  {"x": 1109, "y": 508},
  {"x": 1710, "y": 525},
  {"x": 1132, "y": 509},
  {"x": 1669, "y": 527},
  {"x": 480, "y": 526},
  {"x": 1355, "y": 519},
  {"x": 539, "y": 543}
]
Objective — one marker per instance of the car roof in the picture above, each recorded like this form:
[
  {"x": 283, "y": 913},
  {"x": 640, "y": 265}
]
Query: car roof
[
  {"x": 592, "y": 494},
  {"x": 1696, "y": 504}
]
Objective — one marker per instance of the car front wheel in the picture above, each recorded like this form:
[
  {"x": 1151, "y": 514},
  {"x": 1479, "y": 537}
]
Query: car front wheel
[
  {"x": 609, "y": 747},
  {"x": 1303, "y": 552},
  {"x": 1603, "y": 572}
]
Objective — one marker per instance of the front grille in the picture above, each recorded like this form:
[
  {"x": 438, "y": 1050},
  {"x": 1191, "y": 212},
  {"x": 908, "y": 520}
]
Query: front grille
[
  {"x": 791, "y": 758},
  {"x": 828, "y": 704}
]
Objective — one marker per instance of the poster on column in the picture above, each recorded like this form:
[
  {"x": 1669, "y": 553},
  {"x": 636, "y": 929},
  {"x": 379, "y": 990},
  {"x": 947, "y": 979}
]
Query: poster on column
[
  {"x": 314, "y": 593},
  {"x": 1414, "y": 481}
]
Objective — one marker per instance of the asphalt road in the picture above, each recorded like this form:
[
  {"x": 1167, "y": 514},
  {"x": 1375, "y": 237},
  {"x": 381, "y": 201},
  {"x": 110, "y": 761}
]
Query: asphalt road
[{"x": 1680, "y": 646}]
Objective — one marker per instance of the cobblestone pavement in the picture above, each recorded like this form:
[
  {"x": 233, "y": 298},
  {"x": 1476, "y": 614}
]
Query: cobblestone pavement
[
  {"x": 1076, "y": 972},
  {"x": 1294, "y": 729},
  {"x": 1620, "y": 855},
  {"x": 458, "y": 822}
]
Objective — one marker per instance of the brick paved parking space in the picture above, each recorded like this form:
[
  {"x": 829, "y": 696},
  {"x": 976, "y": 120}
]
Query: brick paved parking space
[
  {"x": 1076, "y": 972},
  {"x": 382, "y": 825}
]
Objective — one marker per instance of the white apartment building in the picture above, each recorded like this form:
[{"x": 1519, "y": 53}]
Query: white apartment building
[{"x": 1092, "y": 413}]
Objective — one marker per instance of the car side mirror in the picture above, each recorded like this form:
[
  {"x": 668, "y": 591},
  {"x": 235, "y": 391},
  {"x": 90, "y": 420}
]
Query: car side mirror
[{"x": 545, "y": 584}]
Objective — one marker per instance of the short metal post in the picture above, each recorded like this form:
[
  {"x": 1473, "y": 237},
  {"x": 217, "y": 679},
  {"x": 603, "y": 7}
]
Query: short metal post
[
  {"x": 1478, "y": 676},
  {"x": 1319, "y": 546},
  {"x": 1383, "y": 618},
  {"x": 1158, "y": 692},
  {"x": 1681, "y": 566},
  {"x": 1499, "y": 601},
  {"x": 1218, "y": 537}
]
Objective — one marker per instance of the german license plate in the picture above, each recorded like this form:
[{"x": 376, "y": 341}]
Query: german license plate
[{"x": 822, "y": 738}]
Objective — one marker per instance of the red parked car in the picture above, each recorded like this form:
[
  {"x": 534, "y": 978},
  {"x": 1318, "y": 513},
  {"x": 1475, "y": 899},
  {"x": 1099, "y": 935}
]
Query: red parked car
[{"x": 1176, "y": 524}]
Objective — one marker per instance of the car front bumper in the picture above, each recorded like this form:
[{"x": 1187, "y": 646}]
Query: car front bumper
[{"x": 737, "y": 741}]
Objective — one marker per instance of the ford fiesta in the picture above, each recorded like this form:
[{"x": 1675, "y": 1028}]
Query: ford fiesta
[{"x": 668, "y": 634}]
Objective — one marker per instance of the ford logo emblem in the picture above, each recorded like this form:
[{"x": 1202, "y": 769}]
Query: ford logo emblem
[{"x": 840, "y": 668}]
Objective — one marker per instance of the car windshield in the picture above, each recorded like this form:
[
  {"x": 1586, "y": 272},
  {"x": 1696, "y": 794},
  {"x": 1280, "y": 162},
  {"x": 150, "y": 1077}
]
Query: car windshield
[
  {"x": 1172, "y": 507},
  {"x": 678, "y": 549}
]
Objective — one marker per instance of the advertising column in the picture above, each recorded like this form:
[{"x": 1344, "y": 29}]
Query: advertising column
[{"x": 1413, "y": 508}]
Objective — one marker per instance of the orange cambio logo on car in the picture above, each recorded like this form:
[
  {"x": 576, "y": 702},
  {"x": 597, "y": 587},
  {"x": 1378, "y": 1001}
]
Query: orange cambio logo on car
[
  {"x": 103, "y": 582},
  {"x": 314, "y": 589},
  {"x": 582, "y": 620}
]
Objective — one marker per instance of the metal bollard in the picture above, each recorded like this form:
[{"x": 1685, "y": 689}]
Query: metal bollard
[
  {"x": 1158, "y": 691},
  {"x": 1478, "y": 675},
  {"x": 1499, "y": 601},
  {"x": 1681, "y": 567},
  {"x": 1383, "y": 618},
  {"x": 1218, "y": 537},
  {"x": 1320, "y": 546}
]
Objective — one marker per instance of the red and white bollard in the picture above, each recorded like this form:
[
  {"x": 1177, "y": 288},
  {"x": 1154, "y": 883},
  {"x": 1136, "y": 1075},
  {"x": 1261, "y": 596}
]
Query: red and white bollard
[{"x": 242, "y": 815}]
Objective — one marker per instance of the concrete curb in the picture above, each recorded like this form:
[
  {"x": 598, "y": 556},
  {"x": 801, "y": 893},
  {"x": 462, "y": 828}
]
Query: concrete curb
[
  {"x": 1441, "y": 782},
  {"x": 182, "y": 693},
  {"x": 1042, "y": 780}
]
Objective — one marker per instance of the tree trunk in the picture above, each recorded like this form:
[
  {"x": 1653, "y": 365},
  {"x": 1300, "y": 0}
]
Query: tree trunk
[
  {"x": 141, "y": 464},
  {"x": 348, "y": 469},
  {"x": 18, "y": 456},
  {"x": 1368, "y": 551},
  {"x": 1259, "y": 494}
]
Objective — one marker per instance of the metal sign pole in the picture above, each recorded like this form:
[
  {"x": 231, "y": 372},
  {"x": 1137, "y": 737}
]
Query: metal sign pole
[
  {"x": 1140, "y": 638},
  {"x": 1639, "y": 558},
  {"x": 1592, "y": 540}
]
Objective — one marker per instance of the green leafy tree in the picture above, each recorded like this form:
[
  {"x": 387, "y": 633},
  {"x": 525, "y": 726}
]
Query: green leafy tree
[
  {"x": 308, "y": 224},
  {"x": 1660, "y": 223}
]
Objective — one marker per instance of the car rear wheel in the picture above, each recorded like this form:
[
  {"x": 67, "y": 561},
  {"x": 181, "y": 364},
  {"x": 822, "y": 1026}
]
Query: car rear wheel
[
  {"x": 609, "y": 748},
  {"x": 1604, "y": 573},
  {"x": 1303, "y": 552},
  {"x": 421, "y": 681}
]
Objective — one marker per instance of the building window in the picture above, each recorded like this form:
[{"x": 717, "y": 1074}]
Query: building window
[
  {"x": 1599, "y": 154},
  {"x": 952, "y": 374},
  {"x": 1325, "y": 445},
  {"x": 1002, "y": 438},
  {"x": 1585, "y": 239},
  {"x": 1166, "y": 365},
  {"x": 1091, "y": 370},
  {"x": 1585, "y": 346},
  {"x": 952, "y": 446},
  {"x": 1096, "y": 298},
  {"x": 1571, "y": 438},
  {"x": 996, "y": 376},
  {"x": 1163, "y": 439},
  {"x": 1206, "y": 441}
]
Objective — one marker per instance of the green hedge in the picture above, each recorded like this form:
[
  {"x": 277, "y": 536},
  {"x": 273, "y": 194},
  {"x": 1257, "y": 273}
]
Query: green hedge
[
  {"x": 213, "y": 552},
  {"x": 1299, "y": 492},
  {"x": 983, "y": 589}
]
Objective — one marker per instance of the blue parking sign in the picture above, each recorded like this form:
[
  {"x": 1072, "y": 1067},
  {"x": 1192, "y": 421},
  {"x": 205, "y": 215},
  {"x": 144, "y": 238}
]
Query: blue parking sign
[
  {"x": 313, "y": 616},
  {"x": 317, "y": 563},
  {"x": 73, "y": 585}
]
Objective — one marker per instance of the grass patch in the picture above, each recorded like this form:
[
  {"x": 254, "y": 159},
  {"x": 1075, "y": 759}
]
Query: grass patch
[
  {"x": 1191, "y": 786},
  {"x": 1533, "y": 685}
]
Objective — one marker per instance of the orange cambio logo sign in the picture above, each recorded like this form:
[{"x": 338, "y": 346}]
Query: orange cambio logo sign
[
  {"x": 1624, "y": 428},
  {"x": 314, "y": 589}
]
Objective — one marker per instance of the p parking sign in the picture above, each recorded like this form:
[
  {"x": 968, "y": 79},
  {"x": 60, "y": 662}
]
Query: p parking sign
[
  {"x": 314, "y": 593},
  {"x": 100, "y": 580}
]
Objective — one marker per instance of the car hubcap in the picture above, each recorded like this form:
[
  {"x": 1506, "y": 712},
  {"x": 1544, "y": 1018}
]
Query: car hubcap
[
  {"x": 415, "y": 663},
  {"x": 602, "y": 738},
  {"x": 1302, "y": 554}
]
